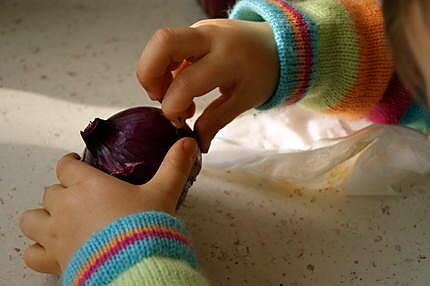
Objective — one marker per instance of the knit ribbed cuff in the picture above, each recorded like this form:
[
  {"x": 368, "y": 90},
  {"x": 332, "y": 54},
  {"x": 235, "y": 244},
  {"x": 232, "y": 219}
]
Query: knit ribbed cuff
[
  {"x": 393, "y": 105},
  {"x": 295, "y": 36},
  {"x": 125, "y": 242}
]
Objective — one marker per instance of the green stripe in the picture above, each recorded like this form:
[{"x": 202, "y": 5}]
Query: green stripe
[
  {"x": 160, "y": 271},
  {"x": 126, "y": 256},
  {"x": 338, "y": 53}
]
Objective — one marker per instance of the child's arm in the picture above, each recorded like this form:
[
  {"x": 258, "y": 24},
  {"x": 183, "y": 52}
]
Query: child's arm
[
  {"x": 332, "y": 53},
  {"x": 97, "y": 230},
  {"x": 329, "y": 55},
  {"x": 334, "y": 59},
  {"x": 146, "y": 248}
]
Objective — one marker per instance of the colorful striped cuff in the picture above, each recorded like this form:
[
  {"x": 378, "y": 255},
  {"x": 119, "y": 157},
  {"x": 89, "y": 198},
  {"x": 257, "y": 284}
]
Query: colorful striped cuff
[
  {"x": 296, "y": 40},
  {"x": 393, "y": 105},
  {"x": 125, "y": 242}
]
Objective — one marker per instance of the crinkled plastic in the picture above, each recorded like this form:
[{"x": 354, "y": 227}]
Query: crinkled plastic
[{"x": 317, "y": 152}]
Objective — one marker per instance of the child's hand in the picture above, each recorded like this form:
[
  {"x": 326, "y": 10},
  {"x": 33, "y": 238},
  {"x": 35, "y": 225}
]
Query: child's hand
[
  {"x": 239, "y": 57},
  {"x": 87, "y": 199}
]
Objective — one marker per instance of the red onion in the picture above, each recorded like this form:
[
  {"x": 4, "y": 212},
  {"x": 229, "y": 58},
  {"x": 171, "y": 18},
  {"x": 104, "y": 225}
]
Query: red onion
[
  {"x": 131, "y": 145},
  {"x": 216, "y": 8}
]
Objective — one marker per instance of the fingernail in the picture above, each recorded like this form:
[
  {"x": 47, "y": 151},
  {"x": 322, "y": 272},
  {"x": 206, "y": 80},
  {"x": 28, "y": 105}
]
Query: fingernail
[{"x": 190, "y": 147}]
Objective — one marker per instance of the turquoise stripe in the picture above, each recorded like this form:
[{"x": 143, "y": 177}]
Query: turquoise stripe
[
  {"x": 134, "y": 252},
  {"x": 126, "y": 258},
  {"x": 417, "y": 117},
  {"x": 259, "y": 10}
]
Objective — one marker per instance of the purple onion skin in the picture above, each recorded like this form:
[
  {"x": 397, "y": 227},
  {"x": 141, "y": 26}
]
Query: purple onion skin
[
  {"x": 216, "y": 8},
  {"x": 131, "y": 145}
]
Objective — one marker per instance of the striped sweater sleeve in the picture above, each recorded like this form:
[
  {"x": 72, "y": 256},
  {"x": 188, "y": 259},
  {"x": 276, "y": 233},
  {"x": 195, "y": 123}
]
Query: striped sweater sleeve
[
  {"x": 149, "y": 248},
  {"x": 333, "y": 59}
]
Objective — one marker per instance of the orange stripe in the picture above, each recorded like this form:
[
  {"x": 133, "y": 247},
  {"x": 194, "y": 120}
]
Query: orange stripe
[
  {"x": 375, "y": 66},
  {"x": 115, "y": 240}
]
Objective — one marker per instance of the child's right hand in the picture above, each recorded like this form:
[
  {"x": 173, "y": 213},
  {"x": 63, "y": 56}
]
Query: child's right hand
[
  {"x": 86, "y": 200},
  {"x": 238, "y": 57}
]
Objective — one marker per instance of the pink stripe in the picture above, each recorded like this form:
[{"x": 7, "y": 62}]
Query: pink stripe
[
  {"x": 393, "y": 105},
  {"x": 123, "y": 244},
  {"x": 306, "y": 65}
]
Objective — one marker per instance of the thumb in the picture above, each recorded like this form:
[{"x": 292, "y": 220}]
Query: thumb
[{"x": 173, "y": 172}]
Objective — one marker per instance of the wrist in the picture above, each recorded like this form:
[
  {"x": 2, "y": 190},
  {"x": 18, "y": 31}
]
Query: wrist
[
  {"x": 295, "y": 39},
  {"x": 125, "y": 242},
  {"x": 267, "y": 41}
]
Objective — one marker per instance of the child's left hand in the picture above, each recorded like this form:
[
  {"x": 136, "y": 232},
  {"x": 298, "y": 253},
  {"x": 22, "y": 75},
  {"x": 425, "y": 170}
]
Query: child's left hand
[{"x": 87, "y": 199}]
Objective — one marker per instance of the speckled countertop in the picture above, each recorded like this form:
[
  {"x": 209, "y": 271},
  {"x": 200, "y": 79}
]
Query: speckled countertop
[{"x": 64, "y": 62}]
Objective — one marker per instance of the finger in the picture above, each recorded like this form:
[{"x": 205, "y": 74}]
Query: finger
[
  {"x": 33, "y": 223},
  {"x": 196, "y": 80},
  {"x": 50, "y": 196},
  {"x": 70, "y": 170},
  {"x": 156, "y": 87},
  {"x": 67, "y": 167},
  {"x": 166, "y": 49},
  {"x": 217, "y": 115},
  {"x": 38, "y": 259},
  {"x": 175, "y": 168}
]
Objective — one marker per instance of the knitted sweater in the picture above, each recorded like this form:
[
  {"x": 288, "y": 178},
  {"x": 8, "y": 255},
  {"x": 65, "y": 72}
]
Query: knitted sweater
[
  {"x": 333, "y": 59},
  {"x": 143, "y": 249}
]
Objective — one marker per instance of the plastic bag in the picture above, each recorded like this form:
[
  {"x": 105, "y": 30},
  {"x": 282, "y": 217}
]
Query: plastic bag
[{"x": 302, "y": 148}]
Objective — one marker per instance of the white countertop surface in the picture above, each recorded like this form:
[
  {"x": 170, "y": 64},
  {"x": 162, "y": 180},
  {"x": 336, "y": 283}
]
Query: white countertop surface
[{"x": 64, "y": 63}]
